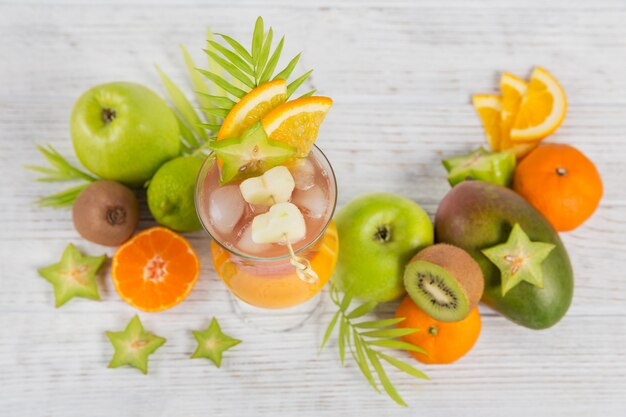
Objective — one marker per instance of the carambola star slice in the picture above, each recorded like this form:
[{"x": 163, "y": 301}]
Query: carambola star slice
[
  {"x": 73, "y": 276},
  {"x": 519, "y": 259},
  {"x": 133, "y": 346}
]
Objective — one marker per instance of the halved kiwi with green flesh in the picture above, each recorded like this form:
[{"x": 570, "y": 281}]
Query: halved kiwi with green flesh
[{"x": 444, "y": 281}]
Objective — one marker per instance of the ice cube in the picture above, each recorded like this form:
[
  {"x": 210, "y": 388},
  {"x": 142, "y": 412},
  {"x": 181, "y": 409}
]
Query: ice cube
[
  {"x": 226, "y": 207},
  {"x": 246, "y": 245},
  {"x": 312, "y": 202},
  {"x": 304, "y": 174}
]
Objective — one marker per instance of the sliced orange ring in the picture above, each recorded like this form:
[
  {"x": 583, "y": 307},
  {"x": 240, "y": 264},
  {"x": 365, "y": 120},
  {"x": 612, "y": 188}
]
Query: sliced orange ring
[
  {"x": 542, "y": 108},
  {"x": 297, "y": 122},
  {"x": 253, "y": 107}
]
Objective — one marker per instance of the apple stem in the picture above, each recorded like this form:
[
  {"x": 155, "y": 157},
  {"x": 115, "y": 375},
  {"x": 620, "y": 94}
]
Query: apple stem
[{"x": 108, "y": 115}]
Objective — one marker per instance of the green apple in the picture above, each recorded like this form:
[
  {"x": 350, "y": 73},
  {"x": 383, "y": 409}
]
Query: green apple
[
  {"x": 378, "y": 235},
  {"x": 123, "y": 132}
]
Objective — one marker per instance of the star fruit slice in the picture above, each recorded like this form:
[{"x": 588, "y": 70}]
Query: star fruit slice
[
  {"x": 250, "y": 155},
  {"x": 495, "y": 167},
  {"x": 133, "y": 346},
  {"x": 212, "y": 343},
  {"x": 519, "y": 259},
  {"x": 73, "y": 276}
]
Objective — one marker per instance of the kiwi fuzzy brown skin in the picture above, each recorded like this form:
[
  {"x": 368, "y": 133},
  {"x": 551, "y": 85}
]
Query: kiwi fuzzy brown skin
[
  {"x": 106, "y": 213},
  {"x": 460, "y": 265}
]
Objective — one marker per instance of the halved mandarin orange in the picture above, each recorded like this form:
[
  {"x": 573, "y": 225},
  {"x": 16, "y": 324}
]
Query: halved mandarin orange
[
  {"x": 542, "y": 108},
  {"x": 155, "y": 270},
  {"x": 489, "y": 108},
  {"x": 297, "y": 122},
  {"x": 252, "y": 108}
]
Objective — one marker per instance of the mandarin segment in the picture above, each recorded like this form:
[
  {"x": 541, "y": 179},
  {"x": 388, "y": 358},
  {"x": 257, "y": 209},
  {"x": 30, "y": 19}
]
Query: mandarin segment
[{"x": 155, "y": 270}]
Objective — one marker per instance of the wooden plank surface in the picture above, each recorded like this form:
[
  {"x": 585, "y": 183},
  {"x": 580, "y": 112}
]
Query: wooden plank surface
[{"x": 401, "y": 74}]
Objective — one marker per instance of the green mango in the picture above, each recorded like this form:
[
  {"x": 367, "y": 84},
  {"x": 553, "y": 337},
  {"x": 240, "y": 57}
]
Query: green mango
[{"x": 477, "y": 215}]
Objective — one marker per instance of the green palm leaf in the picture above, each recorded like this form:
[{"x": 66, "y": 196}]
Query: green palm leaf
[
  {"x": 377, "y": 324},
  {"x": 264, "y": 53},
  {"x": 363, "y": 351},
  {"x": 182, "y": 105},
  {"x": 231, "y": 69},
  {"x": 233, "y": 58},
  {"x": 271, "y": 64},
  {"x": 239, "y": 49},
  {"x": 384, "y": 379},
  {"x": 257, "y": 40},
  {"x": 396, "y": 344},
  {"x": 218, "y": 101},
  {"x": 293, "y": 86},
  {"x": 221, "y": 82},
  {"x": 197, "y": 80},
  {"x": 286, "y": 72},
  {"x": 390, "y": 333},
  {"x": 403, "y": 366},
  {"x": 362, "y": 361}
]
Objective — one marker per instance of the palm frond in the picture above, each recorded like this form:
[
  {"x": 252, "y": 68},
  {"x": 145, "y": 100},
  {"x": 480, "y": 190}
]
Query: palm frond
[{"x": 362, "y": 337}]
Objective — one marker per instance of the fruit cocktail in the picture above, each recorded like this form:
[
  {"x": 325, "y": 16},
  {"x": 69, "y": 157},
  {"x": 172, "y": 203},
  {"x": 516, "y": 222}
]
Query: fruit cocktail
[
  {"x": 265, "y": 193},
  {"x": 261, "y": 272}
]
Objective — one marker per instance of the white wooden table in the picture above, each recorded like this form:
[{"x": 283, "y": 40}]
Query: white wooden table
[{"x": 401, "y": 74}]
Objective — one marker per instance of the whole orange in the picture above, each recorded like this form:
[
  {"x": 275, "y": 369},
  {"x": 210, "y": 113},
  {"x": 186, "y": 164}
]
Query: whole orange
[
  {"x": 561, "y": 182},
  {"x": 445, "y": 342}
]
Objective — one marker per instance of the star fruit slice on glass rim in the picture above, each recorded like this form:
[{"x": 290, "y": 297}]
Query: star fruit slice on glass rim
[{"x": 250, "y": 155}]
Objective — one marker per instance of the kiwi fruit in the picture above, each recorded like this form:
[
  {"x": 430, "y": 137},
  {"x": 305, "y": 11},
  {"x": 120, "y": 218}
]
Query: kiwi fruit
[
  {"x": 445, "y": 282},
  {"x": 106, "y": 213}
]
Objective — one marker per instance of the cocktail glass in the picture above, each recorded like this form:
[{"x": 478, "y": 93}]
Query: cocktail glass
[{"x": 269, "y": 291}]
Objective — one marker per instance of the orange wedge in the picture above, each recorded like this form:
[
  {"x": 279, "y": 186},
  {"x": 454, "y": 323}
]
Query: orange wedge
[
  {"x": 542, "y": 108},
  {"x": 489, "y": 107},
  {"x": 297, "y": 122},
  {"x": 253, "y": 107},
  {"x": 513, "y": 89},
  {"x": 155, "y": 270}
]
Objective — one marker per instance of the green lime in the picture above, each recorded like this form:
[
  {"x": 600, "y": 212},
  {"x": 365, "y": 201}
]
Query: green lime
[{"x": 171, "y": 194}]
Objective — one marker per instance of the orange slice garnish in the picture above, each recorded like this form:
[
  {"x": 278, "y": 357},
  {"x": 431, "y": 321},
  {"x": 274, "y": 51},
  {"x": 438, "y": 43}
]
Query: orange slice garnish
[
  {"x": 297, "y": 122},
  {"x": 155, "y": 270},
  {"x": 253, "y": 107},
  {"x": 542, "y": 108}
]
